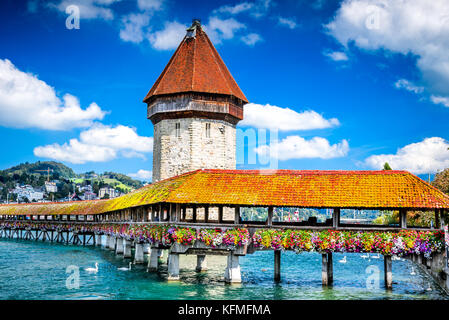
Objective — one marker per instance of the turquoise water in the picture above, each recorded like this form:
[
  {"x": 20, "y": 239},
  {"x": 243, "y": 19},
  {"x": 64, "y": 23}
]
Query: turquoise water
[{"x": 37, "y": 270}]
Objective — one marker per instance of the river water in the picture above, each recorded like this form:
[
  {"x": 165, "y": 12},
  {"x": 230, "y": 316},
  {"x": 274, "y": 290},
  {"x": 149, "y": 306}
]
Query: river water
[{"x": 38, "y": 270}]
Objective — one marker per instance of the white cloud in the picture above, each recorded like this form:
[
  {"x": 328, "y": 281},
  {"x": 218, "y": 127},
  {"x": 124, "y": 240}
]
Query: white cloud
[
  {"x": 418, "y": 27},
  {"x": 27, "y": 102},
  {"x": 283, "y": 119},
  {"x": 89, "y": 9},
  {"x": 337, "y": 55},
  {"x": 251, "y": 39},
  {"x": 289, "y": 22},
  {"x": 440, "y": 100},
  {"x": 133, "y": 27},
  {"x": 427, "y": 156},
  {"x": 222, "y": 29},
  {"x": 169, "y": 37},
  {"x": 142, "y": 175},
  {"x": 149, "y": 4},
  {"x": 99, "y": 143},
  {"x": 296, "y": 147},
  {"x": 409, "y": 86},
  {"x": 238, "y": 8},
  {"x": 256, "y": 9}
]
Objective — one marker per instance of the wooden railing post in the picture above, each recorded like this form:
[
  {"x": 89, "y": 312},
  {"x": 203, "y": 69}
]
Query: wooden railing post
[
  {"x": 237, "y": 215},
  {"x": 194, "y": 213},
  {"x": 336, "y": 217},
  {"x": 220, "y": 214},
  {"x": 270, "y": 216},
  {"x": 206, "y": 213},
  {"x": 437, "y": 219},
  {"x": 402, "y": 218}
]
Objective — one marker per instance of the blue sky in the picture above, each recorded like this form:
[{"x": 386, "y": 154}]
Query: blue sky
[{"x": 349, "y": 84}]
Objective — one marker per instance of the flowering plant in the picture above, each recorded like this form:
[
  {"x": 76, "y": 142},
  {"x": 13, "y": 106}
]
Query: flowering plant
[{"x": 388, "y": 243}]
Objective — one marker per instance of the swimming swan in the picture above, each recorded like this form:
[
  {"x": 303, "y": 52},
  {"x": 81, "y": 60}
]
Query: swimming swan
[
  {"x": 125, "y": 268},
  {"x": 95, "y": 270},
  {"x": 342, "y": 260}
]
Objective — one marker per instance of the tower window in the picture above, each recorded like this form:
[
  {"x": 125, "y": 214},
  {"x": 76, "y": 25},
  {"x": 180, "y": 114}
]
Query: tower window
[
  {"x": 178, "y": 129},
  {"x": 207, "y": 130}
]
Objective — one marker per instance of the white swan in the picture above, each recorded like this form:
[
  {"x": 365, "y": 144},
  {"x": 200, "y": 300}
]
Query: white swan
[
  {"x": 412, "y": 272},
  {"x": 95, "y": 270},
  {"x": 395, "y": 258},
  {"x": 342, "y": 260},
  {"x": 376, "y": 256},
  {"x": 125, "y": 268},
  {"x": 364, "y": 256}
]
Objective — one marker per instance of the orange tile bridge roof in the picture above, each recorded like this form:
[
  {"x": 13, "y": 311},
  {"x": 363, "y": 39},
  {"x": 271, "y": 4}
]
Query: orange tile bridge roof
[{"x": 289, "y": 188}]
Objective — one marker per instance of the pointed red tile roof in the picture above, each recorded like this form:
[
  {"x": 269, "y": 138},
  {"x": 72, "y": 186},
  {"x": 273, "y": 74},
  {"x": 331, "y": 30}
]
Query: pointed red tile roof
[{"x": 196, "y": 66}]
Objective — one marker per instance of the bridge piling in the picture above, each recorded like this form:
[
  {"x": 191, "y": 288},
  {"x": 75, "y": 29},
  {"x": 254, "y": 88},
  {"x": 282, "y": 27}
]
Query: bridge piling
[
  {"x": 153, "y": 261},
  {"x": 327, "y": 272},
  {"x": 127, "y": 249},
  {"x": 232, "y": 271},
  {"x": 119, "y": 247},
  {"x": 201, "y": 263},
  {"x": 388, "y": 274},
  {"x": 173, "y": 267},
  {"x": 98, "y": 240},
  {"x": 277, "y": 265},
  {"x": 138, "y": 253}
]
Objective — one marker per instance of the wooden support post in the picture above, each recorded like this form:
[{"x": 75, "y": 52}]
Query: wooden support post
[
  {"x": 178, "y": 212},
  {"x": 159, "y": 213},
  {"x": 194, "y": 213},
  {"x": 270, "y": 216},
  {"x": 336, "y": 218},
  {"x": 388, "y": 274},
  {"x": 277, "y": 265},
  {"x": 237, "y": 215},
  {"x": 220, "y": 214},
  {"x": 402, "y": 218},
  {"x": 206, "y": 213},
  {"x": 327, "y": 270},
  {"x": 437, "y": 219}
]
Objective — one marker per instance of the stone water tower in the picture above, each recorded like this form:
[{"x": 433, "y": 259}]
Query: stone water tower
[{"x": 194, "y": 105}]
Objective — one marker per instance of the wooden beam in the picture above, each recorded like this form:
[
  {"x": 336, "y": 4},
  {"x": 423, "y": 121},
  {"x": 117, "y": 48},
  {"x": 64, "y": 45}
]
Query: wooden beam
[
  {"x": 194, "y": 213},
  {"x": 437, "y": 219},
  {"x": 237, "y": 215},
  {"x": 206, "y": 213},
  {"x": 270, "y": 216},
  {"x": 388, "y": 274},
  {"x": 277, "y": 265},
  {"x": 403, "y": 218},
  {"x": 178, "y": 213},
  {"x": 336, "y": 217},
  {"x": 220, "y": 214}
]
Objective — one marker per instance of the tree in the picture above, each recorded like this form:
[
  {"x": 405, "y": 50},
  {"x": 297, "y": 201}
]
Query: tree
[
  {"x": 441, "y": 181},
  {"x": 106, "y": 196},
  {"x": 387, "y": 166}
]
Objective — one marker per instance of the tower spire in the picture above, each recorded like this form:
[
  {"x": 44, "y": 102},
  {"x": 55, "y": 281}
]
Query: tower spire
[{"x": 194, "y": 106}]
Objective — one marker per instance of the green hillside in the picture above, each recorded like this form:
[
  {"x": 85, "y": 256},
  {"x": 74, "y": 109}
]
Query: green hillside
[{"x": 57, "y": 169}]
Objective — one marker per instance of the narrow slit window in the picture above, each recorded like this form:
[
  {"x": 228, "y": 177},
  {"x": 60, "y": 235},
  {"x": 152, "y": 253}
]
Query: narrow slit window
[
  {"x": 178, "y": 129},
  {"x": 207, "y": 130}
]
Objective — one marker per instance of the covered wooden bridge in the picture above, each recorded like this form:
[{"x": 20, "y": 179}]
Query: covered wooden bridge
[{"x": 215, "y": 198}]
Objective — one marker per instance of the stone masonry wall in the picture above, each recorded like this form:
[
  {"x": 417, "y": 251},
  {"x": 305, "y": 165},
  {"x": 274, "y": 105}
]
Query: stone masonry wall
[{"x": 173, "y": 155}]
